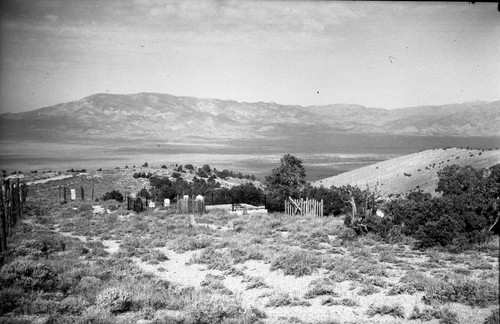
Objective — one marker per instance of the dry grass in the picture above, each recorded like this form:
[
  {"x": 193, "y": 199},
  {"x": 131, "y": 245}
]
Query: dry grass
[{"x": 315, "y": 271}]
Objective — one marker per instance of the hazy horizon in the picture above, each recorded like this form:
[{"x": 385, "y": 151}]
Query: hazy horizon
[{"x": 374, "y": 54}]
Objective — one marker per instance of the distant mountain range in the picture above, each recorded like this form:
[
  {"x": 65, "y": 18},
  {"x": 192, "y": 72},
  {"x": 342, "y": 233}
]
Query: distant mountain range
[{"x": 163, "y": 116}]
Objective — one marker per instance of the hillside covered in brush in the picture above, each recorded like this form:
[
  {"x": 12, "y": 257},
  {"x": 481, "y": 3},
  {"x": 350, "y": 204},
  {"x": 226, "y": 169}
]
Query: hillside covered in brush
[{"x": 413, "y": 172}]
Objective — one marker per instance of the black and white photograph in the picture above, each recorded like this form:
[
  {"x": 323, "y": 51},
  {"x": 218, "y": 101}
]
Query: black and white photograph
[{"x": 249, "y": 162}]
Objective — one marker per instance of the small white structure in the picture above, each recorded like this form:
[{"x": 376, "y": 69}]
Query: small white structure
[
  {"x": 133, "y": 195},
  {"x": 152, "y": 204},
  {"x": 200, "y": 198},
  {"x": 73, "y": 194},
  {"x": 166, "y": 202},
  {"x": 186, "y": 197},
  {"x": 380, "y": 213},
  {"x": 192, "y": 221}
]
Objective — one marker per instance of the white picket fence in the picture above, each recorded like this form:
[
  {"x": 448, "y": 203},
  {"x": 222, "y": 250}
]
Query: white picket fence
[{"x": 307, "y": 207}]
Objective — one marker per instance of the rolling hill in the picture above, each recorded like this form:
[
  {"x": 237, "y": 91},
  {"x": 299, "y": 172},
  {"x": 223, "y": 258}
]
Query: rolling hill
[
  {"x": 411, "y": 172},
  {"x": 163, "y": 116}
]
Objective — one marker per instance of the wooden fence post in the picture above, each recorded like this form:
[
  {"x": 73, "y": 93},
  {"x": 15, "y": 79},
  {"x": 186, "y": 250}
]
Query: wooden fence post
[
  {"x": 7, "y": 207},
  {"x": 19, "y": 201},
  {"x": 82, "y": 193},
  {"x": 13, "y": 211},
  {"x": 3, "y": 225}
]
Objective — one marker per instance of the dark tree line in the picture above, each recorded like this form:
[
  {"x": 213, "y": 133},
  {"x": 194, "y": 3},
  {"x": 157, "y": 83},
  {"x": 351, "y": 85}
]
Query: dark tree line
[{"x": 458, "y": 218}]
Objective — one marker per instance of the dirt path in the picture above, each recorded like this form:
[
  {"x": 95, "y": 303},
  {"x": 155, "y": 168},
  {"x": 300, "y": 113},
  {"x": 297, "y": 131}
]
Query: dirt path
[{"x": 179, "y": 270}]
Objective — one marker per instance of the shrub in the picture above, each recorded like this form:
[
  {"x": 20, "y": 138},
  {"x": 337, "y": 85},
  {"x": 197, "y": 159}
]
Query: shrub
[
  {"x": 213, "y": 283},
  {"x": 425, "y": 315},
  {"x": 321, "y": 287},
  {"x": 88, "y": 286},
  {"x": 347, "y": 234},
  {"x": 447, "y": 316},
  {"x": 462, "y": 290},
  {"x": 368, "y": 290},
  {"x": 493, "y": 318},
  {"x": 116, "y": 195},
  {"x": 440, "y": 232},
  {"x": 96, "y": 315},
  {"x": 27, "y": 274},
  {"x": 344, "y": 302},
  {"x": 284, "y": 299},
  {"x": 297, "y": 262},
  {"x": 214, "y": 259},
  {"x": 256, "y": 282},
  {"x": 198, "y": 242},
  {"x": 213, "y": 309},
  {"x": 115, "y": 300},
  {"x": 43, "y": 244},
  {"x": 393, "y": 310},
  {"x": 10, "y": 299}
]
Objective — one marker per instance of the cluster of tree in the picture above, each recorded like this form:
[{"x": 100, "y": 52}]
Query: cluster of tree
[
  {"x": 289, "y": 180},
  {"x": 224, "y": 174},
  {"x": 163, "y": 187},
  {"x": 468, "y": 205},
  {"x": 73, "y": 170},
  {"x": 142, "y": 175},
  {"x": 207, "y": 172},
  {"x": 116, "y": 195}
]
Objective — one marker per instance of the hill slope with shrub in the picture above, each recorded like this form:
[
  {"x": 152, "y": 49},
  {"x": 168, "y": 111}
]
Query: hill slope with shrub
[{"x": 413, "y": 172}]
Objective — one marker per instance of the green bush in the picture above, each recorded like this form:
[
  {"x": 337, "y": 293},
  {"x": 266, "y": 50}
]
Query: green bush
[
  {"x": 321, "y": 287},
  {"x": 116, "y": 195},
  {"x": 27, "y": 274},
  {"x": 347, "y": 234},
  {"x": 43, "y": 244},
  {"x": 493, "y": 318},
  {"x": 10, "y": 299},
  {"x": 335, "y": 302},
  {"x": 256, "y": 282},
  {"x": 213, "y": 309},
  {"x": 214, "y": 259},
  {"x": 297, "y": 263},
  {"x": 284, "y": 299},
  {"x": 440, "y": 232},
  {"x": 393, "y": 310},
  {"x": 115, "y": 300},
  {"x": 462, "y": 290},
  {"x": 198, "y": 242}
]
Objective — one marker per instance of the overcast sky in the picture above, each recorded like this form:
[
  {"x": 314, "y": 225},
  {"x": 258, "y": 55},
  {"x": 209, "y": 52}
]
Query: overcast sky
[{"x": 386, "y": 55}]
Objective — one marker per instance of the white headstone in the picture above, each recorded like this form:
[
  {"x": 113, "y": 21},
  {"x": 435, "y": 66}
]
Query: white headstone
[
  {"x": 186, "y": 197},
  {"x": 152, "y": 204},
  {"x": 73, "y": 194},
  {"x": 200, "y": 197},
  {"x": 166, "y": 202},
  {"x": 380, "y": 213}
]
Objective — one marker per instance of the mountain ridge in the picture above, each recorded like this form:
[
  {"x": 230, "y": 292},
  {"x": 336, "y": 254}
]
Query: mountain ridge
[{"x": 167, "y": 116}]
